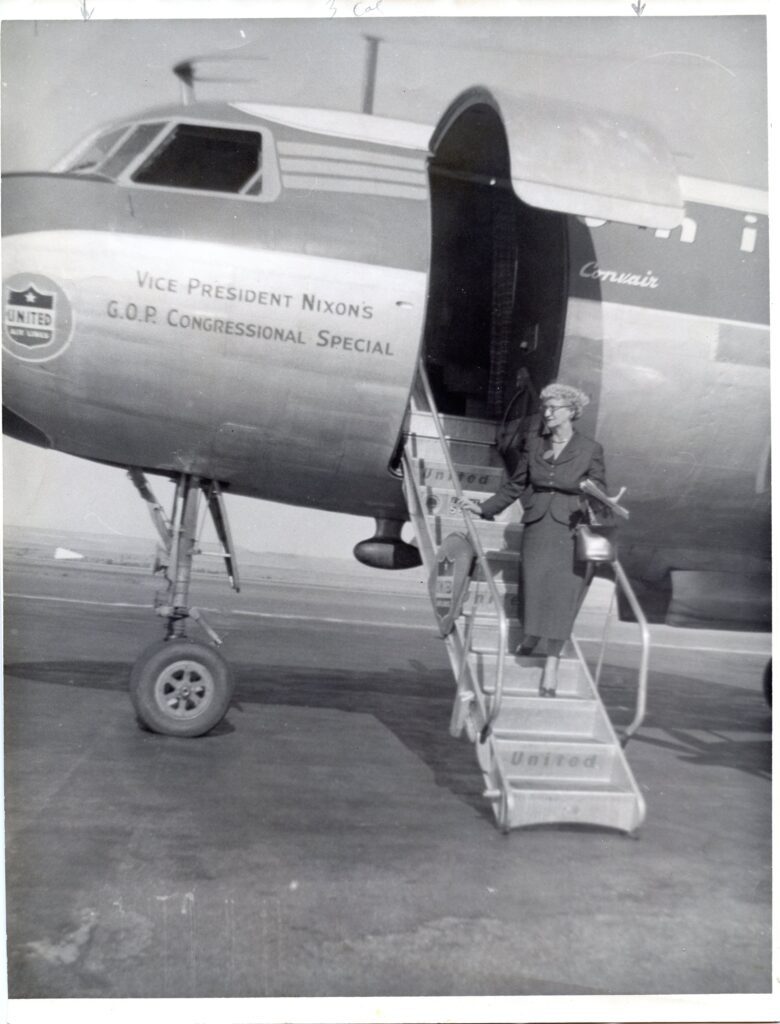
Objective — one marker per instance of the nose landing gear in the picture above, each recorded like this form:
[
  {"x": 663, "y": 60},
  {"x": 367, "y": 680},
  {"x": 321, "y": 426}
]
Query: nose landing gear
[{"x": 180, "y": 687}]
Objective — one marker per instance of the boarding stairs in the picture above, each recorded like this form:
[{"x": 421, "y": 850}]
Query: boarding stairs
[{"x": 543, "y": 760}]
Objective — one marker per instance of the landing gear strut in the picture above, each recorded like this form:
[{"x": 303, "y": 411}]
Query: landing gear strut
[{"x": 180, "y": 687}]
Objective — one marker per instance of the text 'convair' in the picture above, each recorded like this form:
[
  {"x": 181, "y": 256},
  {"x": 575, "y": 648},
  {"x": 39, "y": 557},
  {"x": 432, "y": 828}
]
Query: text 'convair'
[{"x": 592, "y": 269}]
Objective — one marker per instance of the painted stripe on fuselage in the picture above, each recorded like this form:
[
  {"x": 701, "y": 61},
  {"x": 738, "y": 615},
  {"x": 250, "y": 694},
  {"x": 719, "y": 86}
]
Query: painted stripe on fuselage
[
  {"x": 346, "y": 153},
  {"x": 334, "y": 168},
  {"x": 318, "y": 183},
  {"x": 381, "y": 228},
  {"x": 719, "y": 193}
]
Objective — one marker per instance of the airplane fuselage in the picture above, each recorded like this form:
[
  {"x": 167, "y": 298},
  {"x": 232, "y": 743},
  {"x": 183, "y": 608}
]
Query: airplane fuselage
[{"x": 270, "y": 340}]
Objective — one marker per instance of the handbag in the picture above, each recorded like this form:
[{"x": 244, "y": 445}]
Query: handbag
[{"x": 592, "y": 547}]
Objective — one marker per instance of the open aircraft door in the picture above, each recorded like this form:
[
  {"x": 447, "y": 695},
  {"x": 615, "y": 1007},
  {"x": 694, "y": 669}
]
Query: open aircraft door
[{"x": 508, "y": 177}]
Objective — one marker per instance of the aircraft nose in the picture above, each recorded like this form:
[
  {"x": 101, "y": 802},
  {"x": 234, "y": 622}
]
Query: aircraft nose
[
  {"x": 45, "y": 201},
  {"x": 38, "y": 305},
  {"x": 21, "y": 430},
  {"x": 21, "y": 195}
]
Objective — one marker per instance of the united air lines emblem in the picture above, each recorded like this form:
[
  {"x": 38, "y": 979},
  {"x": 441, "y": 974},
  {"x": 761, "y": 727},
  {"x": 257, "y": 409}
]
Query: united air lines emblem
[
  {"x": 37, "y": 318},
  {"x": 29, "y": 316}
]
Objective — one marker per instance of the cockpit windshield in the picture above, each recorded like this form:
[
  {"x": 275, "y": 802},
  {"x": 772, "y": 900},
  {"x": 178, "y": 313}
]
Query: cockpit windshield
[
  {"x": 176, "y": 155},
  {"x": 204, "y": 157},
  {"x": 135, "y": 143},
  {"x": 87, "y": 159}
]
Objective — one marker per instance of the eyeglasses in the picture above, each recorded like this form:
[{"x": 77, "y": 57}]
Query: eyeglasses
[{"x": 555, "y": 408}]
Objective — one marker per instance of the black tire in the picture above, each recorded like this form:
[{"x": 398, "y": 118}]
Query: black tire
[{"x": 181, "y": 688}]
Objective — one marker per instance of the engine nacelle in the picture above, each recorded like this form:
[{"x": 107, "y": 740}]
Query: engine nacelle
[
  {"x": 704, "y": 600},
  {"x": 386, "y": 550}
]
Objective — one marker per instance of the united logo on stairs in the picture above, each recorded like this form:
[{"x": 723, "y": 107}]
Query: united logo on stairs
[{"x": 543, "y": 761}]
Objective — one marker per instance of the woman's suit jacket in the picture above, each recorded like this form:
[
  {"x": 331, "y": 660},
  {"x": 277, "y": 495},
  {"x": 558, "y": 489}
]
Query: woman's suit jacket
[{"x": 551, "y": 484}]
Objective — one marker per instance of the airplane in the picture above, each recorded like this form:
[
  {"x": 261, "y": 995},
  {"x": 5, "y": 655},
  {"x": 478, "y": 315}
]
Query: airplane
[{"x": 243, "y": 297}]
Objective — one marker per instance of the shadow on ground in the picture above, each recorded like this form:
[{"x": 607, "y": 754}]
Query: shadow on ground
[
  {"x": 698, "y": 729},
  {"x": 415, "y": 703}
]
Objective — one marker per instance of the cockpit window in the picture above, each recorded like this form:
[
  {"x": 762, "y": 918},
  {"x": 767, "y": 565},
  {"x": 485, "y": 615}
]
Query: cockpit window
[
  {"x": 134, "y": 144},
  {"x": 205, "y": 157},
  {"x": 88, "y": 159}
]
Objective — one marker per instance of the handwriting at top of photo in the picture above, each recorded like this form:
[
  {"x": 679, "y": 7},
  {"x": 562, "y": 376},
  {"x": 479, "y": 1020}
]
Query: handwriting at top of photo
[{"x": 359, "y": 9}]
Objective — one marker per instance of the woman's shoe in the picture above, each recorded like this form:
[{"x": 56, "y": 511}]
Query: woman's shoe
[
  {"x": 527, "y": 646},
  {"x": 545, "y": 690},
  {"x": 549, "y": 675}
]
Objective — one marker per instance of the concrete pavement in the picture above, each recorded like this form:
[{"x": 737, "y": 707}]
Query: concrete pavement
[{"x": 330, "y": 838}]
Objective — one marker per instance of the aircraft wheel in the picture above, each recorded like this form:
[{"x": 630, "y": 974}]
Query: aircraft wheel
[
  {"x": 181, "y": 688},
  {"x": 768, "y": 683}
]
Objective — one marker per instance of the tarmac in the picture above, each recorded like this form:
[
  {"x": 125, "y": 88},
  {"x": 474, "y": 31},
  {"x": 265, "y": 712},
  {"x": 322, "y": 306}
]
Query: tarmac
[{"x": 330, "y": 837}]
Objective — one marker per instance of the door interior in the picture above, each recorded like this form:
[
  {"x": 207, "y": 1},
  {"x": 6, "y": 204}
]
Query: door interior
[{"x": 497, "y": 293}]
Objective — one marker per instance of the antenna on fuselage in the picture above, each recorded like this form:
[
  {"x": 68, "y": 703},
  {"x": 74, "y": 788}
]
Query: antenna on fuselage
[
  {"x": 191, "y": 71},
  {"x": 186, "y": 75},
  {"x": 369, "y": 83}
]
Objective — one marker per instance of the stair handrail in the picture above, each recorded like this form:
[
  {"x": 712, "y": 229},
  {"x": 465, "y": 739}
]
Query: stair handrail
[
  {"x": 624, "y": 583},
  {"x": 503, "y": 626}
]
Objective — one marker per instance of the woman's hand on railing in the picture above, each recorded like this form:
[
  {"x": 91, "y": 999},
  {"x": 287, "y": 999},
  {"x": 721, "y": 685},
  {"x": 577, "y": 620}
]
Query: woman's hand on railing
[{"x": 467, "y": 505}]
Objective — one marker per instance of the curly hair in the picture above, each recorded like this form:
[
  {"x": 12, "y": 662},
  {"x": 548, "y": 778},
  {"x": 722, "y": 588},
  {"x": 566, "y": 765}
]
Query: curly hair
[{"x": 567, "y": 394}]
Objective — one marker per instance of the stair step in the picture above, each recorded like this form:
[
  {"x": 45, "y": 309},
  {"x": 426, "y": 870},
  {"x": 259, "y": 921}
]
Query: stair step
[
  {"x": 443, "y": 502},
  {"x": 522, "y": 675},
  {"x": 504, "y": 566},
  {"x": 483, "y": 638},
  {"x": 476, "y": 478},
  {"x": 479, "y": 592},
  {"x": 485, "y": 608},
  {"x": 470, "y": 453},
  {"x": 460, "y": 428},
  {"x": 556, "y": 758},
  {"x": 563, "y": 715},
  {"x": 541, "y": 803},
  {"x": 495, "y": 536},
  {"x": 481, "y": 587}
]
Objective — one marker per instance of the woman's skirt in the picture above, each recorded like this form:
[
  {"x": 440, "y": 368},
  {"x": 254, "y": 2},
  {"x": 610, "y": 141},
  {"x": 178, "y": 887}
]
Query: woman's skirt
[{"x": 553, "y": 580}]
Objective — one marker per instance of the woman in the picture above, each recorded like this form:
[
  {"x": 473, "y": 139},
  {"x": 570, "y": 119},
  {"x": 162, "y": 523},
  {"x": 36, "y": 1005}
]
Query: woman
[{"x": 547, "y": 481}]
